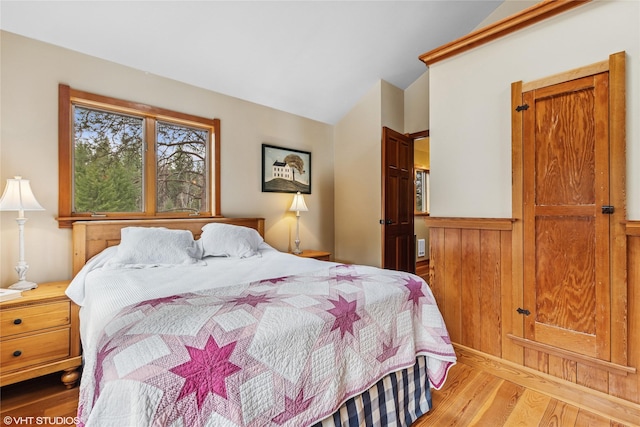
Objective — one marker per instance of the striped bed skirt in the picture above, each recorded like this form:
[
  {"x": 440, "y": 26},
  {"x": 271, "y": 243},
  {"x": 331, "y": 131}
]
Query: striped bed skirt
[{"x": 397, "y": 400}]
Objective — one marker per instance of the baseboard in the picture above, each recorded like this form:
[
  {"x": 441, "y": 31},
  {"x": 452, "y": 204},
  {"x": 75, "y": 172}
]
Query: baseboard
[{"x": 608, "y": 406}]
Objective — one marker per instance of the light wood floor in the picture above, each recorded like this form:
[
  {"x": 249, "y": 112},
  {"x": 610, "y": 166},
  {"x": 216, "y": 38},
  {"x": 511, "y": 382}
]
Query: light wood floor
[
  {"x": 472, "y": 397},
  {"x": 43, "y": 399},
  {"x": 469, "y": 397}
]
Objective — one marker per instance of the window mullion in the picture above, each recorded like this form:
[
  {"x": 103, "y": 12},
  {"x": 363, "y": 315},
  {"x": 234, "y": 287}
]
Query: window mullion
[
  {"x": 150, "y": 167},
  {"x": 214, "y": 175}
]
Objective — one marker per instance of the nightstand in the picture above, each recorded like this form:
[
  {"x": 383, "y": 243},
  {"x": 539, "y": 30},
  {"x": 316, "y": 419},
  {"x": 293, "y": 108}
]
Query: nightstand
[
  {"x": 40, "y": 334},
  {"x": 321, "y": 255}
]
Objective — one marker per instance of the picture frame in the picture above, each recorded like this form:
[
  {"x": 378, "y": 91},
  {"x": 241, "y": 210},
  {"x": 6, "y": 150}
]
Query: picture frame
[{"x": 285, "y": 170}]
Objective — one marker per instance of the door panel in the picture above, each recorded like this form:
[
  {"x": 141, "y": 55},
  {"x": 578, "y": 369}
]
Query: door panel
[
  {"x": 398, "y": 250},
  {"x": 566, "y": 235}
]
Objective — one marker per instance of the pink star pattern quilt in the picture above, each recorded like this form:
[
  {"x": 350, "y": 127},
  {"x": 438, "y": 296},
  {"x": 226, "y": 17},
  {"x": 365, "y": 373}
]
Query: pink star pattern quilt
[{"x": 285, "y": 351}]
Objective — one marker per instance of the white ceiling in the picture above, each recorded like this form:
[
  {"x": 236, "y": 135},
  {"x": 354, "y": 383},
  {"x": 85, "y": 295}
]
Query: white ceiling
[{"x": 311, "y": 58}]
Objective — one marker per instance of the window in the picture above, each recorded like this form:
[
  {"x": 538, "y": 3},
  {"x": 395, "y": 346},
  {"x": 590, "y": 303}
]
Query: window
[{"x": 122, "y": 160}]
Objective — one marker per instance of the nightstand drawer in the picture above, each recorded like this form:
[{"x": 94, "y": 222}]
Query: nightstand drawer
[
  {"x": 40, "y": 335},
  {"x": 22, "y": 352},
  {"x": 33, "y": 318}
]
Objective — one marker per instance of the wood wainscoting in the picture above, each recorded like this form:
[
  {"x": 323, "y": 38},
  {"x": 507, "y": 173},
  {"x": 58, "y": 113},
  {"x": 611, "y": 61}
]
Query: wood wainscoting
[
  {"x": 472, "y": 267},
  {"x": 469, "y": 261}
]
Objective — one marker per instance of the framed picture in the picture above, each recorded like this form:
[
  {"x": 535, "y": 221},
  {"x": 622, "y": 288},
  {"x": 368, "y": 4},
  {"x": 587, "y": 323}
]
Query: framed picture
[{"x": 285, "y": 170}]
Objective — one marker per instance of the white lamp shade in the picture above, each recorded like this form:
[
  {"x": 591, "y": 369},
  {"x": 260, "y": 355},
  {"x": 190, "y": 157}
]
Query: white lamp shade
[
  {"x": 298, "y": 204},
  {"x": 18, "y": 196}
]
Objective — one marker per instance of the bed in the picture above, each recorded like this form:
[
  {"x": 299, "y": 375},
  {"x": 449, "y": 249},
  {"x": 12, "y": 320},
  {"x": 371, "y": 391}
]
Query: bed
[{"x": 202, "y": 323}]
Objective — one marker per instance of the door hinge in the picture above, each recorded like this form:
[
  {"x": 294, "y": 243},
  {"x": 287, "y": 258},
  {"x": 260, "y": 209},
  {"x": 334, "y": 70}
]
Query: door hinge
[
  {"x": 607, "y": 209},
  {"x": 522, "y": 107},
  {"x": 523, "y": 311}
]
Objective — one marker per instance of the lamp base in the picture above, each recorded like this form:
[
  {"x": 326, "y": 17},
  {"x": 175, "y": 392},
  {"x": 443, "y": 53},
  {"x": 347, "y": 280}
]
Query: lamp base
[
  {"x": 23, "y": 285},
  {"x": 297, "y": 250}
]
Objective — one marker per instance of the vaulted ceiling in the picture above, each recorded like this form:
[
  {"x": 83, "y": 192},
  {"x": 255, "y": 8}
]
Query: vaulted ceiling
[{"x": 311, "y": 58}]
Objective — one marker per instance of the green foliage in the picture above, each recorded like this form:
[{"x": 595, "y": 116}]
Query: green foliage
[
  {"x": 106, "y": 183},
  {"x": 107, "y": 162}
]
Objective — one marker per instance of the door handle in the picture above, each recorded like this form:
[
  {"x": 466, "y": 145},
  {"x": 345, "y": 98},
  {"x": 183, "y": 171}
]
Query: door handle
[
  {"x": 387, "y": 221},
  {"x": 607, "y": 209}
]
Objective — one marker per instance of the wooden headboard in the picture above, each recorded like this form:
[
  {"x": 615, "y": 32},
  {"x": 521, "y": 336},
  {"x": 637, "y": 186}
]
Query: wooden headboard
[{"x": 92, "y": 237}]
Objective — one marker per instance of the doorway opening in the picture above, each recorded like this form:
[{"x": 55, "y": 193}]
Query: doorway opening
[
  {"x": 422, "y": 165},
  {"x": 404, "y": 190}
]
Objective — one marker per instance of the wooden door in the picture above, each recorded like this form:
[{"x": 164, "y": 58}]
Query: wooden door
[
  {"x": 566, "y": 224},
  {"x": 398, "y": 248}
]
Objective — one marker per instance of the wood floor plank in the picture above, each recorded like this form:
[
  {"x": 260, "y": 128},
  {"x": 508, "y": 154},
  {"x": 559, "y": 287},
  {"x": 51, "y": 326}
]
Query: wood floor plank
[
  {"x": 458, "y": 378},
  {"x": 530, "y": 409},
  {"x": 559, "y": 414},
  {"x": 499, "y": 406},
  {"x": 469, "y": 402}
]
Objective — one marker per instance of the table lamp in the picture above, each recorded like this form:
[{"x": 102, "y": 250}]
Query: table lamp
[
  {"x": 18, "y": 196},
  {"x": 298, "y": 206}
]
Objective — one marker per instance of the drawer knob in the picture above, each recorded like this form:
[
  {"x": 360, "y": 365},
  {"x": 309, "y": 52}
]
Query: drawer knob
[
  {"x": 17, "y": 353},
  {"x": 17, "y": 321}
]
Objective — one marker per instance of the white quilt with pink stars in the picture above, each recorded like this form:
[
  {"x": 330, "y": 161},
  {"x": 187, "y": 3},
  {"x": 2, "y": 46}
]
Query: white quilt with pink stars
[{"x": 286, "y": 351}]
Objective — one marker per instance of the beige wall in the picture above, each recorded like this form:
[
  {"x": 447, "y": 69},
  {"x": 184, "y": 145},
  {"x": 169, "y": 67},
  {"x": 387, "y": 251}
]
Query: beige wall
[
  {"x": 416, "y": 105},
  {"x": 358, "y": 161},
  {"x": 30, "y": 73},
  {"x": 392, "y": 107},
  {"x": 470, "y": 104},
  {"x": 357, "y": 181}
]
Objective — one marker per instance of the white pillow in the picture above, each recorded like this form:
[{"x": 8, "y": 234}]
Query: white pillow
[
  {"x": 154, "y": 246},
  {"x": 229, "y": 240}
]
